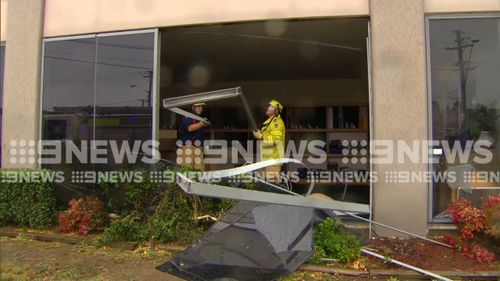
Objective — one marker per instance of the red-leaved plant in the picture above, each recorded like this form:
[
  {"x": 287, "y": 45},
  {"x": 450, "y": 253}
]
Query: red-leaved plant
[
  {"x": 493, "y": 200},
  {"x": 471, "y": 221},
  {"x": 478, "y": 253},
  {"x": 455, "y": 242},
  {"x": 468, "y": 219},
  {"x": 84, "y": 216},
  {"x": 491, "y": 210},
  {"x": 472, "y": 251}
]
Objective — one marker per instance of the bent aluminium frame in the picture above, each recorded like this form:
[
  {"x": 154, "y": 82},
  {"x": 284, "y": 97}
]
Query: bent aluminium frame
[
  {"x": 218, "y": 191},
  {"x": 175, "y": 102}
]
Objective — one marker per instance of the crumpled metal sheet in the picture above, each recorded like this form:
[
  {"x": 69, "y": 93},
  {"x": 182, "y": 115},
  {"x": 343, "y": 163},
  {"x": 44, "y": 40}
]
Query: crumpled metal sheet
[{"x": 253, "y": 241}]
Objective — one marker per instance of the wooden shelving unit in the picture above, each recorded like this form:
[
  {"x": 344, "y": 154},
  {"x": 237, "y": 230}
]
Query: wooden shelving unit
[
  {"x": 293, "y": 130},
  {"x": 327, "y": 130},
  {"x": 229, "y": 130},
  {"x": 329, "y": 182},
  {"x": 332, "y": 155}
]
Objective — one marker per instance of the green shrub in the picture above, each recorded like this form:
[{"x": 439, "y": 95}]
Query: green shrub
[
  {"x": 26, "y": 202},
  {"x": 173, "y": 219},
  {"x": 128, "y": 228},
  {"x": 162, "y": 212},
  {"x": 331, "y": 242}
]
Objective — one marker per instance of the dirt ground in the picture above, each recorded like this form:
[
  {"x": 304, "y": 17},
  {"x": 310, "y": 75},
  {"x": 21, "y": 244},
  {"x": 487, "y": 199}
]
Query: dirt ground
[
  {"x": 428, "y": 256},
  {"x": 24, "y": 259}
]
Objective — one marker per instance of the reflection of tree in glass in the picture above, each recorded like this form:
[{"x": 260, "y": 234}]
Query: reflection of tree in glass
[{"x": 482, "y": 119}]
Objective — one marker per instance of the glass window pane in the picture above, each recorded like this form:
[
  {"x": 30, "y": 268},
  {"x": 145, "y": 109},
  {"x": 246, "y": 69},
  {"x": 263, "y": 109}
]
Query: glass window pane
[
  {"x": 68, "y": 105},
  {"x": 124, "y": 87},
  {"x": 68, "y": 92},
  {"x": 465, "y": 71}
]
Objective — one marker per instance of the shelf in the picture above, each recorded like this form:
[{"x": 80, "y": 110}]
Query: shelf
[
  {"x": 229, "y": 130},
  {"x": 306, "y": 130},
  {"x": 330, "y": 182},
  {"x": 327, "y": 130},
  {"x": 293, "y": 130},
  {"x": 339, "y": 155},
  {"x": 332, "y": 155},
  {"x": 335, "y": 130}
]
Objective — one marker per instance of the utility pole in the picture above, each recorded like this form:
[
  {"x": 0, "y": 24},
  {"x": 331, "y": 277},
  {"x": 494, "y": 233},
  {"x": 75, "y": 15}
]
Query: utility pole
[
  {"x": 142, "y": 101},
  {"x": 462, "y": 43},
  {"x": 149, "y": 75}
]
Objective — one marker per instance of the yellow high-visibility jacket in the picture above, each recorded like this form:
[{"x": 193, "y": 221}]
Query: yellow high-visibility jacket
[{"x": 273, "y": 138}]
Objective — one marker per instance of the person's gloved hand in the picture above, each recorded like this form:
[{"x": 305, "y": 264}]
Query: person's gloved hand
[
  {"x": 205, "y": 123},
  {"x": 257, "y": 134}
]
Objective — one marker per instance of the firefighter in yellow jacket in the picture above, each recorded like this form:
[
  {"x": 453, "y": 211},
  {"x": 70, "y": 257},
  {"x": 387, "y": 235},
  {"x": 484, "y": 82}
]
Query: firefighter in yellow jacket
[{"x": 272, "y": 136}]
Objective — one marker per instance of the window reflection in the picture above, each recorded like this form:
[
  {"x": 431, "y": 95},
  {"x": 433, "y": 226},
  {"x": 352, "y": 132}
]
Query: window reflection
[
  {"x": 68, "y": 103},
  {"x": 97, "y": 88},
  {"x": 465, "y": 71},
  {"x": 68, "y": 91},
  {"x": 123, "y": 88}
]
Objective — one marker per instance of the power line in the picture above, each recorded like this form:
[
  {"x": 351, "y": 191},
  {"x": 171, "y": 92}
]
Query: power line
[{"x": 102, "y": 63}]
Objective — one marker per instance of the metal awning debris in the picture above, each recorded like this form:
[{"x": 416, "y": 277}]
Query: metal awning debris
[{"x": 174, "y": 103}]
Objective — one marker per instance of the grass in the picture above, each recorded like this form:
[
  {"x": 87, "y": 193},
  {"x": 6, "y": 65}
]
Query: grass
[
  {"x": 44, "y": 271},
  {"x": 309, "y": 276},
  {"x": 12, "y": 271},
  {"x": 26, "y": 259}
]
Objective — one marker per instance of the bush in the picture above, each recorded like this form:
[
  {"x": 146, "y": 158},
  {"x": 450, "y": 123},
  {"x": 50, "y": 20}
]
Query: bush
[
  {"x": 84, "y": 216},
  {"x": 331, "y": 242},
  {"x": 478, "y": 253},
  {"x": 468, "y": 219},
  {"x": 24, "y": 201},
  {"x": 472, "y": 251},
  {"x": 491, "y": 210},
  {"x": 174, "y": 219},
  {"x": 153, "y": 211},
  {"x": 472, "y": 222},
  {"x": 128, "y": 228}
]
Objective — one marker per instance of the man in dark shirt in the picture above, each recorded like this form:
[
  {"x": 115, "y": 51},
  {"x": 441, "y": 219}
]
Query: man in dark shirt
[{"x": 191, "y": 135}]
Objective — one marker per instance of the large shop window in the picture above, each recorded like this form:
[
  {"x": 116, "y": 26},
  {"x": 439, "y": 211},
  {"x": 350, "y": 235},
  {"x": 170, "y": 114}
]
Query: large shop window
[
  {"x": 98, "y": 88},
  {"x": 464, "y": 74},
  {"x": 317, "y": 68}
]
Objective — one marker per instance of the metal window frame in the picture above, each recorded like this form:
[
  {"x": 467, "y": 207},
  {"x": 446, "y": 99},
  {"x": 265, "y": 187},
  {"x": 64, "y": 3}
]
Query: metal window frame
[
  {"x": 428, "y": 19},
  {"x": 371, "y": 121},
  {"x": 67, "y": 38},
  {"x": 154, "y": 90},
  {"x": 2, "y": 44},
  {"x": 155, "y": 134}
]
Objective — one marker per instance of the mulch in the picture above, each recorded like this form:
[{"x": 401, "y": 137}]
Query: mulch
[{"x": 427, "y": 255}]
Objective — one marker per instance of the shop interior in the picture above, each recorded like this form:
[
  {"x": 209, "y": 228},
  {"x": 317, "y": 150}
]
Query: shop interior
[{"x": 317, "y": 68}]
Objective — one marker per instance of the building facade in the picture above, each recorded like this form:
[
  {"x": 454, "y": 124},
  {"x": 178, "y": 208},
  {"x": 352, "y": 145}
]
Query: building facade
[{"x": 407, "y": 70}]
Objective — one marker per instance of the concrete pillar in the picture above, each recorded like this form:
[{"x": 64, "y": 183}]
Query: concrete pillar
[
  {"x": 399, "y": 107},
  {"x": 22, "y": 77}
]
